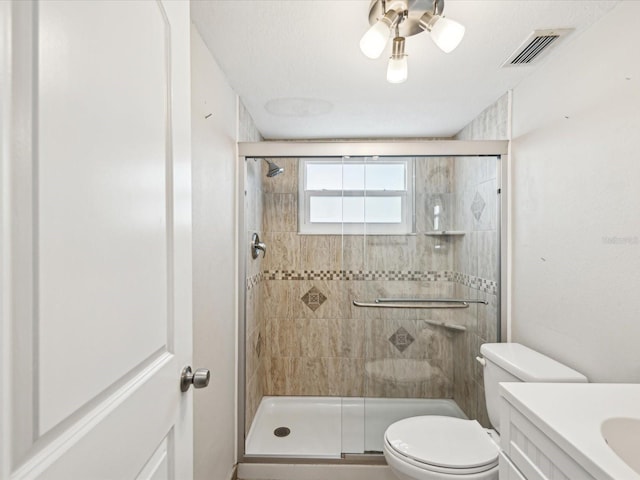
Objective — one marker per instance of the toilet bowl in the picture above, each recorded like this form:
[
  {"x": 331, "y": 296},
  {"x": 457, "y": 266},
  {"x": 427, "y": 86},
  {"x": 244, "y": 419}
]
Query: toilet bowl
[
  {"x": 454, "y": 448},
  {"x": 448, "y": 448}
]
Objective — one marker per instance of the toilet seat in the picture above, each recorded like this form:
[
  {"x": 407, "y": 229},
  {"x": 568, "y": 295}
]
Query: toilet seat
[{"x": 442, "y": 444}]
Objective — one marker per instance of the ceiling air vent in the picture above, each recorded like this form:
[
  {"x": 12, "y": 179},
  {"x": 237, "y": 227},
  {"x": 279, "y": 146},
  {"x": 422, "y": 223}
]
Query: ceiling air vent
[{"x": 536, "y": 46}]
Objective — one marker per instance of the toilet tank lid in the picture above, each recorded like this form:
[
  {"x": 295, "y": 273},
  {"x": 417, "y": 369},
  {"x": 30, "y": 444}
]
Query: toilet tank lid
[{"x": 529, "y": 365}]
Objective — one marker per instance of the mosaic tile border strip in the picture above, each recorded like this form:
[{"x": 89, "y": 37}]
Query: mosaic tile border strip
[
  {"x": 392, "y": 275},
  {"x": 487, "y": 286},
  {"x": 477, "y": 283},
  {"x": 253, "y": 280}
]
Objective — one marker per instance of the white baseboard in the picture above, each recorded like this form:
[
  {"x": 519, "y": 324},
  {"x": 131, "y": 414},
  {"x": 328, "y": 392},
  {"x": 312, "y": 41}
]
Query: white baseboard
[{"x": 272, "y": 471}]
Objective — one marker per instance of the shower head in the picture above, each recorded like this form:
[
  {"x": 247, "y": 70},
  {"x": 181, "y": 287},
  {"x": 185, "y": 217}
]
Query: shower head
[{"x": 273, "y": 168}]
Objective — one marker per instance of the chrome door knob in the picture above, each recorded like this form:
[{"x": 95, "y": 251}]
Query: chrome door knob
[{"x": 199, "y": 379}]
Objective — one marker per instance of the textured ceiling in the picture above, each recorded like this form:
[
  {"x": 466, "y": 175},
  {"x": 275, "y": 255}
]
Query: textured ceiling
[{"x": 308, "y": 49}]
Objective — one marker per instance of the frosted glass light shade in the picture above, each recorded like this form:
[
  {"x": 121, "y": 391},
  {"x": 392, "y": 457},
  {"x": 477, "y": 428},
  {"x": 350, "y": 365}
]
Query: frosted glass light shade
[
  {"x": 375, "y": 39},
  {"x": 398, "y": 69},
  {"x": 447, "y": 34}
]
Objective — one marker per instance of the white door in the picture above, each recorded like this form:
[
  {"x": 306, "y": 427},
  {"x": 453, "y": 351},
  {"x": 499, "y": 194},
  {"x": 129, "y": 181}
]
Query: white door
[{"x": 96, "y": 240}]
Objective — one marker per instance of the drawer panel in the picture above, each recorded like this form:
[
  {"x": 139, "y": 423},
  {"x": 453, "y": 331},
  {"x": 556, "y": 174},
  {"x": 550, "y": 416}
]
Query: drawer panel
[
  {"x": 540, "y": 469},
  {"x": 535, "y": 454},
  {"x": 507, "y": 470}
]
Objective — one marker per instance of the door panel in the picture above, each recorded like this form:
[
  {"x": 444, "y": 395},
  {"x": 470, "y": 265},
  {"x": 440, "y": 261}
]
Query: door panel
[
  {"x": 96, "y": 240},
  {"x": 116, "y": 439},
  {"x": 158, "y": 468},
  {"x": 103, "y": 205}
]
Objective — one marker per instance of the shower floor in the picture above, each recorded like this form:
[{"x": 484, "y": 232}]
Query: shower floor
[{"x": 327, "y": 427}]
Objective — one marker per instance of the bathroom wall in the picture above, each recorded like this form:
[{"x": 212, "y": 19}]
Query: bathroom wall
[
  {"x": 576, "y": 226},
  {"x": 214, "y": 132},
  {"x": 476, "y": 256},
  {"x": 254, "y": 287},
  {"x": 317, "y": 343},
  {"x": 490, "y": 124}
]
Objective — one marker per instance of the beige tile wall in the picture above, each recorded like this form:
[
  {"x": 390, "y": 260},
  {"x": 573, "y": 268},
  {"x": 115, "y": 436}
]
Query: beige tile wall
[
  {"x": 476, "y": 255},
  {"x": 336, "y": 348},
  {"x": 255, "y": 339}
]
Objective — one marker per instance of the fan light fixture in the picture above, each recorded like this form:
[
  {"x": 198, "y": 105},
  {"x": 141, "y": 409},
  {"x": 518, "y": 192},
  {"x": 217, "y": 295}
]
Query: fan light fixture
[{"x": 386, "y": 16}]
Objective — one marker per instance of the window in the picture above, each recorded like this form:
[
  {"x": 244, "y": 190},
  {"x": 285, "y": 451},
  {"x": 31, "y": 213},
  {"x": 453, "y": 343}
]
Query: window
[{"x": 356, "y": 195}]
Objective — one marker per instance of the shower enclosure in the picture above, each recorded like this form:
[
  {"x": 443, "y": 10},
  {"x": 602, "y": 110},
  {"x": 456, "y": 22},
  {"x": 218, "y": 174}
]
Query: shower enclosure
[{"x": 376, "y": 282}]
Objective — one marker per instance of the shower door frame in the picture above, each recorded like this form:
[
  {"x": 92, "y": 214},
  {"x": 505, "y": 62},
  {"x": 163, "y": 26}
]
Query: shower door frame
[{"x": 432, "y": 148}]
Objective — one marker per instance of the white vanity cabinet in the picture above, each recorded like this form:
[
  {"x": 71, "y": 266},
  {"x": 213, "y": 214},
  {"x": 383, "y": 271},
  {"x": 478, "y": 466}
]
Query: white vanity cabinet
[
  {"x": 554, "y": 431},
  {"x": 508, "y": 470},
  {"x": 529, "y": 454}
]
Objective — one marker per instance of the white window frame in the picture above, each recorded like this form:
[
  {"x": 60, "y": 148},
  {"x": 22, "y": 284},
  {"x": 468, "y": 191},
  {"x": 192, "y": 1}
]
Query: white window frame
[{"x": 406, "y": 227}]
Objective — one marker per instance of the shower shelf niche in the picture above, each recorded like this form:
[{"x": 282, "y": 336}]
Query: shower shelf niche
[{"x": 444, "y": 233}]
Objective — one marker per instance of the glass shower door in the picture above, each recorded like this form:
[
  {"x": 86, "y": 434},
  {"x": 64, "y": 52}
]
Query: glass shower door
[
  {"x": 373, "y": 199},
  {"x": 477, "y": 275},
  {"x": 373, "y": 230},
  {"x": 406, "y": 360},
  {"x": 421, "y": 360}
]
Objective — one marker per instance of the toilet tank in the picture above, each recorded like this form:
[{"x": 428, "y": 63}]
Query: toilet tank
[{"x": 512, "y": 362}]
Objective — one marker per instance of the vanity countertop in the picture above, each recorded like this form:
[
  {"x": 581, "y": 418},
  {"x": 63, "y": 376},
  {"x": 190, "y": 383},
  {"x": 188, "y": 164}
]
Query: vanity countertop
[{"x": 571, "y": 414}]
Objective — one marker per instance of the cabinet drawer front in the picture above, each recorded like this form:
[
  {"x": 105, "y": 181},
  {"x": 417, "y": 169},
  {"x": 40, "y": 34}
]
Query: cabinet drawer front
[
  {"x": 535, "y": 465},
  {"x": 507, "y": 470},
  {"x": 535, "y": 455}
]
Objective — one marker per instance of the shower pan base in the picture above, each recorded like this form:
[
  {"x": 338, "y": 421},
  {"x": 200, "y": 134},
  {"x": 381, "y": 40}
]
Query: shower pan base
[{"x": 327, "y": 427}]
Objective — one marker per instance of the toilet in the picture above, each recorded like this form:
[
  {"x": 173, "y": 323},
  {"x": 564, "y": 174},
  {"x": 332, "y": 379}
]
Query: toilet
[{"x": 446, "y": 448}]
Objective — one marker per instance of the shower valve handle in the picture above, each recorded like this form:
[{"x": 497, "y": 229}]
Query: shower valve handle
[
  {"x": 257, "y": 246},
  {"x": 262, "y": 247}
]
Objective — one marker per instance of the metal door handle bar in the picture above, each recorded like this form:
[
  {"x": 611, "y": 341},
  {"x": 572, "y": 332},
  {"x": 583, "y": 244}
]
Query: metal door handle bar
[
  {"x": 418, "y": 303},
  {"x": 429, "y": 300},
  {"x": 376, "y": 304}
]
